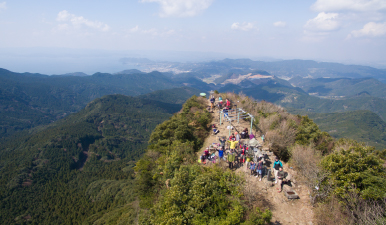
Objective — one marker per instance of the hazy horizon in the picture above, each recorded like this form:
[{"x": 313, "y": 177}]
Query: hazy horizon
[
  {"x": 55, "y": 61},
  {"x": 344, "y": 31}
]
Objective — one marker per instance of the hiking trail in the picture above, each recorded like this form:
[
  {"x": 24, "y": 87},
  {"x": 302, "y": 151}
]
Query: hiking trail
[{"x": 284, "y": 210}]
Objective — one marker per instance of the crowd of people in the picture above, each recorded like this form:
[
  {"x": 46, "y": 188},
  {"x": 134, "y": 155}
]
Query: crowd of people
[
  {"x": 220, "y": 104},
  {"x": 234, "y": 150}
]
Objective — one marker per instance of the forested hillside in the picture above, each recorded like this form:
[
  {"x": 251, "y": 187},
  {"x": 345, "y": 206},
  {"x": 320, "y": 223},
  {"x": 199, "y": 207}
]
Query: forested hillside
[
  {"x": 81, "y": 167},
  {"x": 174, "y": 95},
  {"x": 92, "y": 168},
  {"x": 29, "y": 100},
  {"x": 341, "y": 86},
  {"x": 361, "y": 125}
]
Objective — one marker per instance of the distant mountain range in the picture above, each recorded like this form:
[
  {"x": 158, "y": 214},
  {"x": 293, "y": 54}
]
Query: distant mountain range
[
  {"x": 285, "y": 69},
  {"x": 28, "y": 100},
  {"x": 335, "y": 87}
]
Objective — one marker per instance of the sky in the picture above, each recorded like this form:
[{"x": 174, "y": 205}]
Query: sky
[{"x": 347, "y": 31}]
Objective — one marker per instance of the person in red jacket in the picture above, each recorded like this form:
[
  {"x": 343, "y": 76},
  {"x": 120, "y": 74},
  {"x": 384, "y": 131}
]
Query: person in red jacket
[{"x": 228, "y": 103}]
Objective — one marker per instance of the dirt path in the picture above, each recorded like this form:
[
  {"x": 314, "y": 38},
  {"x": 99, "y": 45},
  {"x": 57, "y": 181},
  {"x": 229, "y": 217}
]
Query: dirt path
[{"x": 285, "y": 211}]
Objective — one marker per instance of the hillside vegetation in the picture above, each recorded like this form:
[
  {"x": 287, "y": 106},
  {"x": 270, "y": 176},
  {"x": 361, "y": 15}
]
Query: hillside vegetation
[
  {"x": 362, "y": 126},
  {"x": 80, "y": 167},
  {"x": 29, "y": 100},
  {"x": 346, "y": 179},
  {"x": 174, "y": 190},
  {"x": 196, "y": 195},
  {"x": 341, "y": 86},
  {"x": 92, "y": 168}
]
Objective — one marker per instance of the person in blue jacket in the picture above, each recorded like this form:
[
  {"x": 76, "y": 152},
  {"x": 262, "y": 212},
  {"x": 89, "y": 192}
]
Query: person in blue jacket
[
  {"x": 221, "y": 153},
  {"x": 276, "y": 166}
]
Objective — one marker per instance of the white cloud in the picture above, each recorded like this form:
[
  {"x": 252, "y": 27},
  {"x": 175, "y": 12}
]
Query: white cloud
[
  {"x": 244, "y": 26},
  {"x": 181, "y": 8},
  {"x": 370, "y": 30},
  {"x": 323, "y": 22},
  {"x": 349, "y": 5},
  {"x": 3, "y": 6},
  {"x": 280, "y": 24},
  {"x": 134, "y": 29},
  {"x": 78, "y": 22}
]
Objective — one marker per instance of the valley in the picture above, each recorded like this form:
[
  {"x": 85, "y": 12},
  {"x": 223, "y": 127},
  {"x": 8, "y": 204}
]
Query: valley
[{"x": 104, "y": 139}]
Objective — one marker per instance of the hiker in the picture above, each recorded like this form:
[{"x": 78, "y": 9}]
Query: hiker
[
  {"x": 212, "y": 158},
  {"x": 206, "y": 152},
  {"x": 225, "y": 111},
  {"x": 221, "y": 153},
  {"x": 222, "y": 143},
  {"x": 202, "y": 158},
  {"x": 212, "y": 100},
  {"x": 232, "y": 137},
  {"x": 251, "y": 136},
  {"x": 228, "y": 103},
  {"x": 233, "y": 144},
  {"x": 260, "y": 157},
  {"x": 220, "y": 99},
  {"x": 244, "y": 134},
  {"x": 242, "y": 154},
  {"x": 277, "y": 165},
  {"x": 219, "y": 105},
  {"x": 231, "y": 159},
  {"x": 237, "y": 136},
  {"x": 215, "y": 130},
  {"x": 252, "y": 167},
  {"x": 259, "y": 169},
  {"x": 262, "y": 138},
  {"x": 280, "y": 176}
]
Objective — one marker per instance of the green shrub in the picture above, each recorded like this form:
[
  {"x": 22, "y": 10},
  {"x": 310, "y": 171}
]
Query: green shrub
[
  {"x": 259, "y": 217},
  {"x": 357, "y": 167},
  {"x": 308, "y": 132},
  {"x": 200, "y": 196}
]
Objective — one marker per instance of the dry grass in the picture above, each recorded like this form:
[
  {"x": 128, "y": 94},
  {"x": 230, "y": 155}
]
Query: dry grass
[
  {"x": 361, "y": 211},
  {"x": 307, "y": 161},
  {"x": 330, "y": 212},
  {"x": 279, "y": 139}
]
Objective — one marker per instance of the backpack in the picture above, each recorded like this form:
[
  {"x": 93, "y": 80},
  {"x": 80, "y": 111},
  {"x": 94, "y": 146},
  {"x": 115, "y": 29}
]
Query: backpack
[{"x": 277, "y": 165}]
